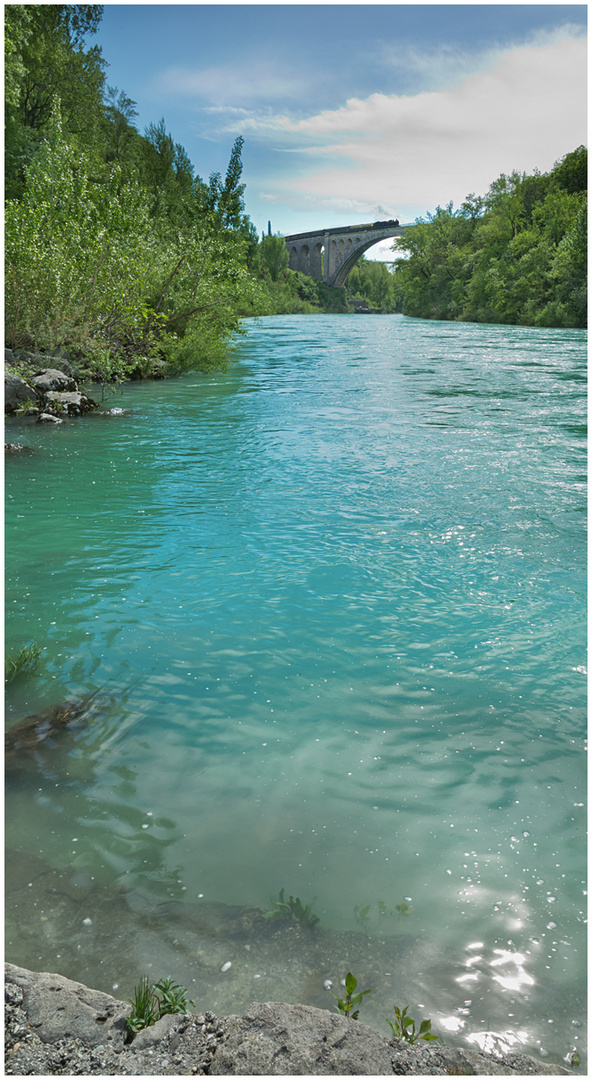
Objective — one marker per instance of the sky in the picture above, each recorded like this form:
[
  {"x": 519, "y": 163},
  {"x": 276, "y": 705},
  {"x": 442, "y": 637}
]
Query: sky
[{"x": 355, "y": 112}]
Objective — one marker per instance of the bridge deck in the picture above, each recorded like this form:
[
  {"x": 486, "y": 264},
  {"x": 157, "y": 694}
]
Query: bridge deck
[{"x": 365, "y": 227}]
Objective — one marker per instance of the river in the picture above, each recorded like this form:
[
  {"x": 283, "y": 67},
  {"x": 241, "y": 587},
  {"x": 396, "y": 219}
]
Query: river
[{"x": 332, "y": 607}]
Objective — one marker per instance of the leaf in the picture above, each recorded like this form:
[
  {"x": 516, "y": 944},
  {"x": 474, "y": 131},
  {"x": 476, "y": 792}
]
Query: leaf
[{"x": 350, "y": 983}]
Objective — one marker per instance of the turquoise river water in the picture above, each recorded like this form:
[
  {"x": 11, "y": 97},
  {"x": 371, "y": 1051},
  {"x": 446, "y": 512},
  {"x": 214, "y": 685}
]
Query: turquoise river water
[{"x": 331, "y": 607}]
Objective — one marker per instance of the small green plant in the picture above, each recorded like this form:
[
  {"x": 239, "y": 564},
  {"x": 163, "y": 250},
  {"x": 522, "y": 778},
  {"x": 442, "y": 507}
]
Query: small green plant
[
  {"x": 404, "y": 1028},
  {"x": 292, "y": 909},
  {"x": 349, "y": 1002},
  {"x": 25, "y": 408},
  {"x": 23, "y": 663},
  {"x": 403, "y": 908},
  {"x": 144, "y": 1007},
  {"x": 385, "y": 912},
  {"x": 361, "y": 914},
  {"x": 151, "y": 1002},
  {"x": 172, "y": 997}
]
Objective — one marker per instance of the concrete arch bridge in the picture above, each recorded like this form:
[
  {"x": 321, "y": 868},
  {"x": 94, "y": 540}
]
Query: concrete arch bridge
[{"x": 329, "y": 254}]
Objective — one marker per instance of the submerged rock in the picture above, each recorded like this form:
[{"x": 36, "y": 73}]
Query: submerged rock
[
  {"x": 39, "y": 727},
  {"x": 48, "y": 418}
]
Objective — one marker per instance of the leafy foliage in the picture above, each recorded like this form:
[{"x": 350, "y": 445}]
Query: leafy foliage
[
  {"x": 348, "y": 1003},
  {"x": 23, "y": 663},
  {"x": 292, "y": 909},
  {"x": 89, "y": 266},
  {"x": 273, "y": 256},
  {"x": 114, "y": 248},
  {"x": 373, "y": 282},
  {"x": 404, "y": 1028},
  {"x": 362, "y": 912},
  {"x": 153, "y": 1001},
  {"x": 517, "y": 256}
]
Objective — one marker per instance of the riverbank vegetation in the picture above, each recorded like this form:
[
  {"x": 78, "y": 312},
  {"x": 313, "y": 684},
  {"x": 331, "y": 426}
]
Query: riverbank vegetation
[
  {"x": 517, "y": 255},
  {"x": 117, "y": 251}
]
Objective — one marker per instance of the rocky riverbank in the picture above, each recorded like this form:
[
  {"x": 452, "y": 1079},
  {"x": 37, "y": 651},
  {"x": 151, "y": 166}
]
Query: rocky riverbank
[
  {"x": 55, "y": 1026},
  {"x": 43, "y": 386}
]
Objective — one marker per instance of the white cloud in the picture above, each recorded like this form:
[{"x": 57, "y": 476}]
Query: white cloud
[
  {"x": 524, "y": 112},
  {"x": 448, "y": 65},
  {"x": 228, "y": 83}
]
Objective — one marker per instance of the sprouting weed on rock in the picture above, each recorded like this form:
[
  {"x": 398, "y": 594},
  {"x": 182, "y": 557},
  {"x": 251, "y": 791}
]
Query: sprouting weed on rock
[
  {"x": 404, "y": 1027},
  {"x": 153, "y": 1001},
  {"x": 349, "y": 1002},
  {"x": 144, "y": 1007}
]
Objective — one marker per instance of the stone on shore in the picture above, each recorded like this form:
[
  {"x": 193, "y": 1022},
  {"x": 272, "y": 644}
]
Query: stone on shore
[
  {"x": 69, "y": 403},
  {"x": 17, "y": 392},
  {"x": 50, "y": 379},
  {"x": 57, "y": 1026},
  {"x": 58, "y": 1008},
  {"x": 59, "y": 361}
]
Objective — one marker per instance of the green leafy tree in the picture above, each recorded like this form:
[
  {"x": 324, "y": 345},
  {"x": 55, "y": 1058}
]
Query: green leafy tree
[
  {"x": 48, "y": 61},
  {"x": 274, "y": 256},
  {"x": 372, "y": 281},
  {"x": 225, "y": 200},
  {"x": 121, "y": 136},
  {"x": 517, "y": 255},
  {"x": 87, "y": 266}
]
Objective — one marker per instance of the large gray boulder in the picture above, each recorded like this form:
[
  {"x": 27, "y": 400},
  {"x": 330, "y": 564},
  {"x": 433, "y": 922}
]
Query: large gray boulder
[
  {"x": 56, "y": 1025},
  {"x": 59, "y": 1008},
  {"x": 71, "y": 403},
  {"x": 17, "y": 392},
  {"x": 50, "y": 379},
  {"x": 272, "y": 1039}
]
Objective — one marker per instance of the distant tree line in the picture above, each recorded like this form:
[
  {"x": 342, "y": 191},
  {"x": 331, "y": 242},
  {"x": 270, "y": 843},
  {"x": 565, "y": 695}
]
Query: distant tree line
[{"x": 516, "y": 255}]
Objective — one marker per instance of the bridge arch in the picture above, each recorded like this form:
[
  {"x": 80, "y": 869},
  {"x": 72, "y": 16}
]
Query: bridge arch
[
  {"x": 330, "y": 254},
  {"x": 349, "y": 261}
]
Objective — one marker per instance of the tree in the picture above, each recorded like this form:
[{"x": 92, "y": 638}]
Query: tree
[
  {"x": 515, "y": 256},
  {"x": 571, "y": 173},
  {"x": 225, "y": 201},
  {"x": 274, "y": 256},
  {"x": 120, "y": 130},
  {"x": 56, "y": 65},
  {"x": 47, "y": 62}
]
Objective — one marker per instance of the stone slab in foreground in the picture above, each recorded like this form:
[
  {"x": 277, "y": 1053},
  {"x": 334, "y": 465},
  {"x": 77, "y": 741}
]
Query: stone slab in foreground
[{"x": 55, "y": 1026}]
